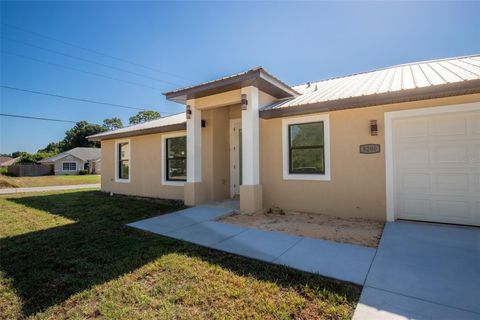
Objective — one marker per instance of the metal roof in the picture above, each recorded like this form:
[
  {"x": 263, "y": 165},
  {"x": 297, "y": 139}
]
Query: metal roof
[
  {"x": 170, "y": 123},
  {"x": 258, "y": 77},
  {"x": 406, "y": 82},
  {"x": 84, "y": 154},
  {"x": 396, "y": 79}
]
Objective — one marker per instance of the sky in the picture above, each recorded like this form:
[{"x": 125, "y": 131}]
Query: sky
[{"x": 129, "y": 53}]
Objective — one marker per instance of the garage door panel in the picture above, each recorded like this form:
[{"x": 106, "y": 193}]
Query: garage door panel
[
  {"x": 414, "y": 181},
  {"x": 475, "y": 178},
  {"x": 475, "y": 153},
  {"x": 444, "y": 208},
  {"x": 446, "y": 126},
  {"x": 414, "y": 207},
  {"x": 437, "y": 168},
  {"x": 452, "y": 182},
  {"x": 411, "y": 156},
  {"x": 414, "y": 129},
  {"x": 450, "y": 153},
  {"x": 475, "y": 125}
]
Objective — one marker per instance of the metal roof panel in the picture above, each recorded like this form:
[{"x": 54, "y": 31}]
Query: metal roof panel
[{"x": 393, "y": 79}]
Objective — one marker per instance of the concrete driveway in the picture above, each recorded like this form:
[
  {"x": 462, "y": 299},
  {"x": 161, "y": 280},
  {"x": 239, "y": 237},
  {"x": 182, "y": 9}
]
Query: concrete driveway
[{"x": 423, "y": 271}]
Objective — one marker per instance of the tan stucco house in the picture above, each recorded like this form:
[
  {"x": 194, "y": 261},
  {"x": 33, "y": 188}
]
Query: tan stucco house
[
  {"x": 397, "y": 143},
  {"x": 75, "y": 160}
]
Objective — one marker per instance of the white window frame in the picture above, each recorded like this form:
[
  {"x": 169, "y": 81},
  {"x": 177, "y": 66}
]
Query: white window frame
[
  {"x": 325, "y": 118},
  {"x": 76, "y": 166},
  {"x": 117, "y": 179},
  {"x": 164, "y": 159}
]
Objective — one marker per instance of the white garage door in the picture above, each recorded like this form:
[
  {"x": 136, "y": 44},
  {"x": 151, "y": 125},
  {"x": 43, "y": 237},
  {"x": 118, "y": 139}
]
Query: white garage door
[{"x": 436, "y": 163}]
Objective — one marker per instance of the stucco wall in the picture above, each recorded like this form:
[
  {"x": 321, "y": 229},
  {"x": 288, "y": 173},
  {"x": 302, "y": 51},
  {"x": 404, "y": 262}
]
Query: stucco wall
[
  {"x": 147, "y": 156},
  {"x": 145, "y": 169},
  {"x": 58, "y": 165},
  {"x": 357, "y": 186},
  {"x": 216, "y": 152}
]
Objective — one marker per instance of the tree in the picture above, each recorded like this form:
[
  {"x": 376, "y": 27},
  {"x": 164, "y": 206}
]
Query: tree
[
  {"x": 52, "y": 147},
  {"x": 33, "y": 158},
  {"x": 112, "y": 123},
  {"x": 144, "y": 116},
  {"x": 77, "y": 136},
  {"x": 17, "y": 154}
]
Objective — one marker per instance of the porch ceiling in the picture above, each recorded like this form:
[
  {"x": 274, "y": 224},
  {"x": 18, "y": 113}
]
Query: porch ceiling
[{"x": 257, "y": 77}]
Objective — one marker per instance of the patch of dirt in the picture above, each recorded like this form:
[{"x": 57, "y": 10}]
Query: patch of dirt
[{"x": 365, "y": 232}]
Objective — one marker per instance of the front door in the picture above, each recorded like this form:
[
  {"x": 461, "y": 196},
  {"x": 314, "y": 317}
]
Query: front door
[{"x": 235, "y": 156}]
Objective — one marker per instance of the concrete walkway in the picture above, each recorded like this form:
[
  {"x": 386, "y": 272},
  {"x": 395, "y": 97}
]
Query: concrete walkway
[
  {"x": 335, "y": 260},
  {"x": 423, "y": 271},
  {"x": 49, "y": 188}
]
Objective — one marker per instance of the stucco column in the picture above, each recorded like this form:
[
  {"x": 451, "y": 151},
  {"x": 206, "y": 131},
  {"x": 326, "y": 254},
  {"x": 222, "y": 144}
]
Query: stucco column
[
  {"x": 251, "y": 190},
  {"x": 193, "y": 191}
]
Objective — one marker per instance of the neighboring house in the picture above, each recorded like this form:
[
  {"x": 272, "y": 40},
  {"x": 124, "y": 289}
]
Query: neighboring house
[
  {"x": 397, "y": 143},
  {"x": 8, "y": 161},
  {"x": 4, "y": 159},
  {"x": 72, "y": 161}
]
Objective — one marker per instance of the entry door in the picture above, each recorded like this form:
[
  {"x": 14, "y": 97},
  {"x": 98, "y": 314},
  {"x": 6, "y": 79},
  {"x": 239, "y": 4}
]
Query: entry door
[
  {"x": 437, "y": 168},
  {"x": 235, "y": 156}
]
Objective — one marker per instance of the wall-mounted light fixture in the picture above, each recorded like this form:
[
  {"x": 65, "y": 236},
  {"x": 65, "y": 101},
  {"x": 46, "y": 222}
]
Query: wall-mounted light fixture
[
  {"x": 188, "y": 111},
  {"x": 373, "y": 127},
  {"x": 244, "y": 102}
]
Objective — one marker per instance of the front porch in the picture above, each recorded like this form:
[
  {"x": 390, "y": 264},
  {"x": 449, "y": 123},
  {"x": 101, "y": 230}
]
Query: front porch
[{"x": 223, "y": 137}]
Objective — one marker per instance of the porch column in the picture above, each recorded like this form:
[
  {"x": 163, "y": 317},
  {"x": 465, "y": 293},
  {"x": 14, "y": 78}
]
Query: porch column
[
  {"x": 251, "y": 190},
  {"x": 192, "y": 189}
]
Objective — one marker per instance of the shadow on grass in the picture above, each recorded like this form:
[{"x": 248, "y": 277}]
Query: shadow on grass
[{"x": 48, "y": 266}]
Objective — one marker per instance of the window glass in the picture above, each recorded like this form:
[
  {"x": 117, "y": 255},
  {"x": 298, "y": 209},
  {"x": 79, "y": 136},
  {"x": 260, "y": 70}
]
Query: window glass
[
  {"x": 306, "y": 134},
  {"x": 69, "y": 166},
  {"x": 123, "y": 160},
  {"x": 306, "y": 147},
  {"x": 176, "y": 159}
]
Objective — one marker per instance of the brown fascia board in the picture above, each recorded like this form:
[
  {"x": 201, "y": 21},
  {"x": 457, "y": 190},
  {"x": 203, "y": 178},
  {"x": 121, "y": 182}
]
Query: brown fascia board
[
  {"x": 256, "y": 77},
  {"x": 173, "y": 127},
  {"x": 440, "y": 91}
]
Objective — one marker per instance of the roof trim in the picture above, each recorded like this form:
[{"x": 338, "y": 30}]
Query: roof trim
[
  {"x": 62, "y": 155},
  {"x": 168, "y": 128},
  {"x": 415, "y": 94},
  {"x": 257, "y": 77}
]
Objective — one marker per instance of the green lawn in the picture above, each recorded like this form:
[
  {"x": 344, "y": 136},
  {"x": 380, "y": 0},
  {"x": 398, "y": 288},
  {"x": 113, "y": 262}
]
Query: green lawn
[
  {"x": 43, "y": 181},
  {"x": 70, "y": 255}
]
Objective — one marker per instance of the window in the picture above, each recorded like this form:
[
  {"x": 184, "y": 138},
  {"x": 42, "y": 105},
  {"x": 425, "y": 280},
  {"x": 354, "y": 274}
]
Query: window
[
  {"x": 176, "y": 159},
  {"x": 123, "y": 155},
  {"x": 86, "y": 166},
  {"x": 306, "y": 148},
  {"x": 69, "y": 166}
]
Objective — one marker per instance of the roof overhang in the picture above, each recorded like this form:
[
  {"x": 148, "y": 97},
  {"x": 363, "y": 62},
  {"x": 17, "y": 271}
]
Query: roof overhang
[
  {"x": 59, "y": 157},
  {"x": 431, "y": 92},
  {"x": 256, "y": 77},
  {"x": 168, "y": 128}
]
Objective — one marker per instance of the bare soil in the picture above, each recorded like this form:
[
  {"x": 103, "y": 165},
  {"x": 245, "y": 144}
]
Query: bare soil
[{"x": 365, "y": 232}]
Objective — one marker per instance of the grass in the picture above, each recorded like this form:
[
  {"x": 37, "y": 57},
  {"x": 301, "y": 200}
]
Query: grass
[
  {"x": 43, "y": 181},
  {"x": 70, "y": 255}
]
